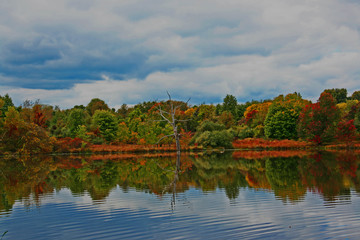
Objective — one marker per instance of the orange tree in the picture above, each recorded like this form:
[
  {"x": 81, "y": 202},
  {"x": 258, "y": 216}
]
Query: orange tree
[{"x": 318, "y": 121}]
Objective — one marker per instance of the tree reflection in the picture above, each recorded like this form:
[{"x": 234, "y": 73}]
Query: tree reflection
[
  {"x": 284, "y": 178},
  {"x": 331, "y": 174}
]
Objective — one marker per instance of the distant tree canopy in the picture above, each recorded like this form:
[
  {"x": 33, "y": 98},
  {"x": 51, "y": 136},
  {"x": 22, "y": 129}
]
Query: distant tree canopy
[
  {"x": 96, "y": 104},
  {"x": 34, "y": 127},
  {"x": 356, "y": 95},
  {"x": 339, "y": 94}
]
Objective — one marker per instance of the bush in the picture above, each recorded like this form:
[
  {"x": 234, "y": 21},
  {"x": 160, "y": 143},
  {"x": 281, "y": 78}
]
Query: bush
[
  {"x": 206, "y": 126},
  {"x": 243, "y": 132},
  {"x": 215, "y": 139}
]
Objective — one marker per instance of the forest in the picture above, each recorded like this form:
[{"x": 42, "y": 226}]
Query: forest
[{"x": 284, "y": 121}]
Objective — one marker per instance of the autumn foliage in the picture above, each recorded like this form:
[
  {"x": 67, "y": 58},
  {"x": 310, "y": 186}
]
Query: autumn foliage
[
  {"x": 259, "y": 143},
  {"x": 346, "y": 132},
  {"x": 318, "y": 121},
  {"x": 285, "y": 122}
]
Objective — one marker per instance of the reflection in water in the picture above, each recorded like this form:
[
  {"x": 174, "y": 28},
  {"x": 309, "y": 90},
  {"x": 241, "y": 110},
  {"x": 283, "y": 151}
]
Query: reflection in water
[
  {"x": 331, "y": 175},
  {"x": 294, "y": 179}
]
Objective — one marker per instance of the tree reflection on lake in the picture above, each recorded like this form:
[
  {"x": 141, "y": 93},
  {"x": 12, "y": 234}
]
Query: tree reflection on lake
[
  {"x": 330, "y": 175},
  {"x": 257, "y": 195}
]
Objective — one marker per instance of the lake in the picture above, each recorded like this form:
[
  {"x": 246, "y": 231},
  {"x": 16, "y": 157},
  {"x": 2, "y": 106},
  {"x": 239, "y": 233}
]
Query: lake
[{"x": 230, "y": 195}]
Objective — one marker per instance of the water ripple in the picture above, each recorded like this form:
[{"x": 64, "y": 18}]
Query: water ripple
[{"x": 139, "y": 215}]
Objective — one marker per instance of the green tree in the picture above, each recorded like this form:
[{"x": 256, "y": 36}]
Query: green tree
[
  {"x": 356, "y": 95},
  {"x": 77, "y": 118},
  {"x": 210, "y": 126},
  {"x": 7, "y": 103},
  {"x": 123, "y": 134},
  {"x": 210, "y": 134},
  {"x": 1, "y": 119},
  {"x": 81, "y": 133},
  {"x": 107, "y": 124},
  {"x": 230, "y": 104},
  {"x": 281, "y": 119},
  {"x": 339, "y": 94},
  {"x": 215, "y": 139},
  {"x": 58, "y": 124}
]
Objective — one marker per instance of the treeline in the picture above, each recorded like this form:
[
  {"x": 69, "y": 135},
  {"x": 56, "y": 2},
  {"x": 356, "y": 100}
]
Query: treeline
[{"x": 36, "y": 128}]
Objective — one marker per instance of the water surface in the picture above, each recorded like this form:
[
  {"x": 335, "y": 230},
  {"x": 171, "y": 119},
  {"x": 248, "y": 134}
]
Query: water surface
[{"x": 251, "y": 195}]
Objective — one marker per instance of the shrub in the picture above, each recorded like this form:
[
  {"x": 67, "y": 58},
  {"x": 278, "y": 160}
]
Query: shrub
[
  {"x": 243, "y": 132},
  {"x": 215, "y": 139}
]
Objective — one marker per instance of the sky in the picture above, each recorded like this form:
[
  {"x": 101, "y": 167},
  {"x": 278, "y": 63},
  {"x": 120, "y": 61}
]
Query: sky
[{"x": 66, "y": 52}]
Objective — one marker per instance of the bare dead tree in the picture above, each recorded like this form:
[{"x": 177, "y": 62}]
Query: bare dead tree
[{"x": 170, "y": 118}]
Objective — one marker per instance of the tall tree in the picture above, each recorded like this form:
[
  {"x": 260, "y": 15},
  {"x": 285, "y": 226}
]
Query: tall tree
[{"x": 230, "y": 104}]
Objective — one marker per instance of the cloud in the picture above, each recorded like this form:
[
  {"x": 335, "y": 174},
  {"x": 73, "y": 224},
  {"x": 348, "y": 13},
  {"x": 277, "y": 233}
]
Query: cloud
[{"x": 59, "y": 51}]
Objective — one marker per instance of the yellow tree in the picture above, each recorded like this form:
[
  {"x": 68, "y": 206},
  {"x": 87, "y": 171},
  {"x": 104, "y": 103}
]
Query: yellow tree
[{"x": 256, "y": 113}]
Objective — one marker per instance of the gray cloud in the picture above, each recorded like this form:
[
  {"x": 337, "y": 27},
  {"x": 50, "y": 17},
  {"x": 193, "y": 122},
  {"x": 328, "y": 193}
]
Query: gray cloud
[{"x": 58, "y": 51}]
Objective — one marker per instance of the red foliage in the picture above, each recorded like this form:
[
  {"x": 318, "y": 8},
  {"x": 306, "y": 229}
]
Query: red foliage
[
  {"x": 346, "y": 131},
  {"x": 250, "y": 115},
  {"x": 155, "y": 107},
  {"x": 69, "y": 144},
  {"x": 347, "y": 163},
  {"x": 317, "y": 121},
  {"x": 267, "y": 154},
  {"x": 262, "y": 143},
  {"x": 39, "y": 117},
  {"x": 136, "y": 148}
]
